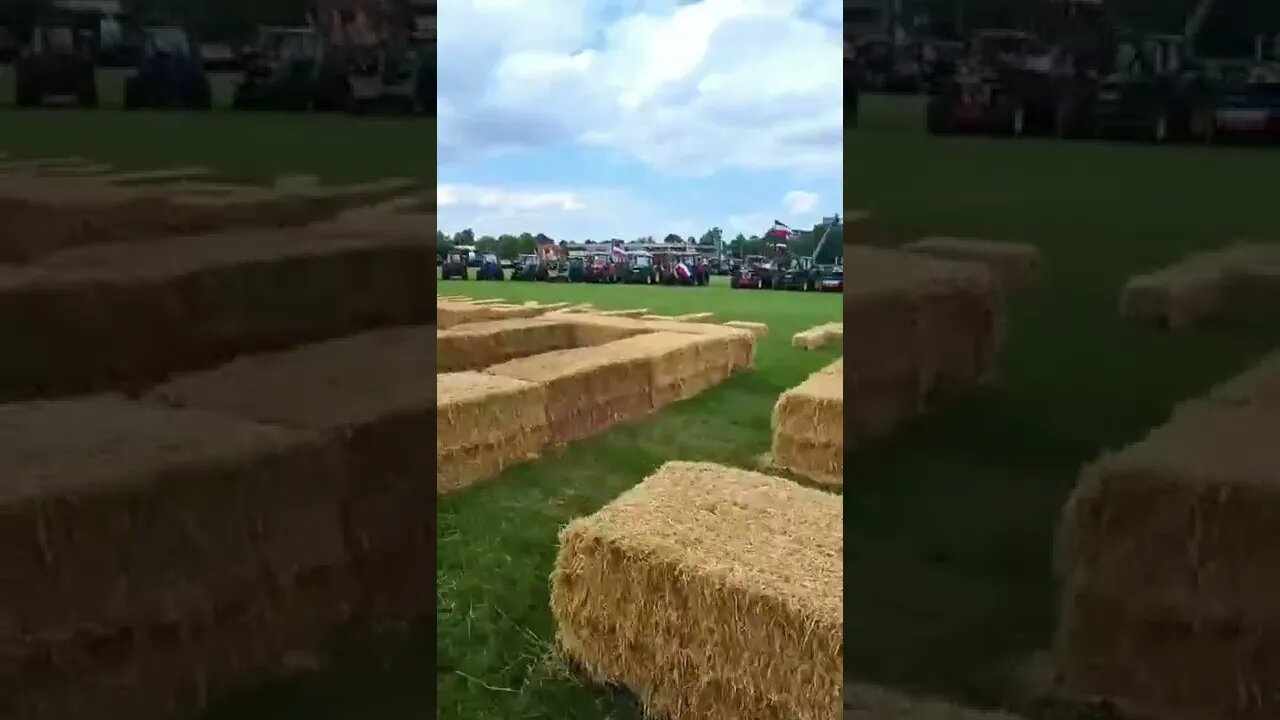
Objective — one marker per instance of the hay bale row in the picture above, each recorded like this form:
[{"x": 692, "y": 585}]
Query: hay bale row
[
  {"x": 593, "y": 329},
  {"x": 919, "y": 327},
  {"x": 42, "y": 214},
  {"x": 450, "y": 313},
  {"x": 1237, "y": 277},
  {"x": 480, "y": 344},
  {"x": 1167, "y": 549},
  {"x": 127, "y": 315},
  {"x": 819, "y": 336},
  {"x": 712, "y": 593},
  {"x": 580, "y": 391},
  {"x": 808, "y": 427},
  {"x": 1017, "y": 265},
  {"x": 1259, "y": 385}
]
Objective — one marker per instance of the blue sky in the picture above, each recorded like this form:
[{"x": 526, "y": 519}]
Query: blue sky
[{"x": 589, "y": 119}]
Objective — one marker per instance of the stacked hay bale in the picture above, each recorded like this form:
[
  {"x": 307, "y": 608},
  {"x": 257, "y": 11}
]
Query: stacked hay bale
[
  {"x": 485, "y": 423},
  {"x": 682, "y": 365},
  {"x": 742, "y": 582},
  {"x": 758, "y": 329},
  {"x": 450, "y": 313},
  {"x": 918, "y": 327},
  {"x": 477, "y": 345},
  {"x": 1205, "y": 285},
  {"x": 819, "y": 336},
  {"x": 1017, "y": 265},
  {"x": 1168, "y": 550},
  {"x": 808, "y": 427}
]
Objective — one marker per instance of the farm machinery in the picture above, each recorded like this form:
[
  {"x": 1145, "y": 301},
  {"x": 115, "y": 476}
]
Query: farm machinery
[
  {"x": 281, "y": 70},
  {"x": 639, "y": 269},
  {"x": 755, "y": 272},
  {"x": 490, "y": 268},
  {"x": 600, "y": 268},
  {"x": 682, "y": 269},
  {"x": 57, "y": 64},
  {"x": 454, "y": 267},
  {"x": 803, "y": 272},
  {"x": 170, "y": 74},
  {"x": 526, "y": 268}
]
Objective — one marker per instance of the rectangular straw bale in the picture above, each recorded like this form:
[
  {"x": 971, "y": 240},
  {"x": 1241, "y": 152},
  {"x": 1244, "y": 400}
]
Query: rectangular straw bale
[
  {"x": 1017, "y": 265},
  {"x": 712, "y": 593},
  {"x": 835, "y": 368},
  {"x": 818, "y": 336},
  {"x": 587, "y": 389},
  {"x": 1184, "y": 518},
  {"x": 477, "y": 345},
  {"x": 759, "y": 329},
  {"x": 485, "y": 301},
  {"x": 1254, "y": 288},
  {"x": 868, "y": 702},
  {"x": 117, "y": 513},
  {"x": 633, "y": 313},
  {"x": 682, "y": 364},
  {"x": 484, "y": 424},
  {"x": 742, "y": 343},
  {"x": 667, "y": 318},
  {"x": 695, "y": 317},
  {"x": 808, "y": 428},
  {"x": 595, "y": 329},
  {"x": 1174, "y": 297},
  {"x": 1162, "y": 663}
]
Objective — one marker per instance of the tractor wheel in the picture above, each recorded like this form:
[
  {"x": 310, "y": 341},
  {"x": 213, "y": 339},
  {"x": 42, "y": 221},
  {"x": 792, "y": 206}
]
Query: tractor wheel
[
  {"x": 202, "y": 98},
  {"x": 733, "y": 283}
]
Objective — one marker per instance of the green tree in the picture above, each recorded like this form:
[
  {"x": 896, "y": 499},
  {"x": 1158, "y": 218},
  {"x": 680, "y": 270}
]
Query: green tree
[
  {"x": 465, "y": 237},
  {"x": 712, "y": 237},
  {"x": 736, "y": 244},
  {"x": 672, "y": 239}
]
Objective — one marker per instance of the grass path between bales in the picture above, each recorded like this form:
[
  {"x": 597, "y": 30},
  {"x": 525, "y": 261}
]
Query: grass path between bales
[
  {"x": 949, "y": 527},
  {"x": 497, "y": 540}
]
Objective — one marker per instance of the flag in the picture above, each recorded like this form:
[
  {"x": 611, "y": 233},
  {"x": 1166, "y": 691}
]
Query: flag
[
  {"x": 619, "y": 253},
  {"x": 779, "y": 230},
  {"x": 682, "y": 271}
]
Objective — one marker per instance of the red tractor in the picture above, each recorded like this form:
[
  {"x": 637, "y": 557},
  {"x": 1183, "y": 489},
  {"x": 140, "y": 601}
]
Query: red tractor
[{"x": 601, "y": 268}]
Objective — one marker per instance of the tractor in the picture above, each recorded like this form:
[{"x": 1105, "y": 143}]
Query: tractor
[
  {"x": 831, "y": 278},
  {"x": 639, "y": 269},
  {"x": 171, "y": 73},
  {"x": 455, "y": 267},
  {"x": 526, "y": 268},
  {"x": 601, "y": 269},
  {"x": 281, "y": 71},
  {"x": 803, "y": 272},
  {"x": 490, "y": 269},
  {"x": 57, "y": 64},
  {"x": 754, "y": 272},
  {"x": 577, "y": 268}
]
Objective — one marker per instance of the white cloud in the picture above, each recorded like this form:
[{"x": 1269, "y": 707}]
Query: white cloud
[
  {"x": 688, "y": 89},
  {"x": 800, "y": 202}
]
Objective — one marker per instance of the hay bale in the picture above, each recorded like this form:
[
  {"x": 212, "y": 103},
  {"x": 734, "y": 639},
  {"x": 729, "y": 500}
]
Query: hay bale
[
  {"x": 868, "y": 702},
  {"x": 594, "y": 329},
  {"x": 127, "y": 315},
  {"x": 740, "y": 612},
  {"x": 480, "y": 344},
  {"x": 819, "y": 336},
  {"x": 450, "y": 313},
  {"x": 666, "y": 318},
  {"x": 695, "y": 317},
  {"x": 835, "y": 368},
  {"x": 485, "y": 423},
  {"x": 1175, "y": 297},
  {"x": 758, "y": 329},
  {"x": 1167, "y": 549},
  {"x": 123, "y": 515},
  {"x": 587, "y": 390},
  {"x": 681, "y": 364},
  {"x": 808, "y": 428},
  {"x": 1017, "y": 265},
  {"x": 633, "y": 313},
  {"x": 742, "y": 343},
  {"x": 486, "y": 301}
]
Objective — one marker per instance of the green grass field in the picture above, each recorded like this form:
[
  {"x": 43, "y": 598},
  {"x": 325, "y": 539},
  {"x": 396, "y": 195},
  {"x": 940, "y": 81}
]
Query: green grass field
[
  {"x": 949, "y": 528},
  {"x": 497, "y": 541}
]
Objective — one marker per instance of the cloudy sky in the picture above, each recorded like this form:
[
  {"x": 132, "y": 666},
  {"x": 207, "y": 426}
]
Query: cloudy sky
[{"x": 591, "y": 119}]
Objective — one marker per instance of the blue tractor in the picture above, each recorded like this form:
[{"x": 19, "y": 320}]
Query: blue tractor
[
  {"x": 490, "y": 269},
  {"x": 170, "y": 74}
]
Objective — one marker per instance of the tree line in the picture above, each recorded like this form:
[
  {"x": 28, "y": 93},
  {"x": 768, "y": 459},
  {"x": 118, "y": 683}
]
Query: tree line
[{"x": 509, "y": 247}]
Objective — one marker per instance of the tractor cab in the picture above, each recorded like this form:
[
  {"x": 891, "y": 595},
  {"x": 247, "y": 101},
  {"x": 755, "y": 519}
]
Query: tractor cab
[
  {"x": 58, "y": 63},
  {"x": 455, "y": 266},
  {"x": 526, "y": 268},
  {"x": 638, "y": 268},
  {"x": 280, "y": 70},
  {"x": 170, "y": 74},
  {"x": 490, "y": 268},
  {"x": 601, "y": 268}
]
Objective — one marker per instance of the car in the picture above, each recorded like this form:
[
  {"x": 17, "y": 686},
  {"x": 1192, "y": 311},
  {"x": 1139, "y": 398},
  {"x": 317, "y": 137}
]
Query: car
[
  {"x": 832, "y": 278},
  {"x": 58, "y": 64}
]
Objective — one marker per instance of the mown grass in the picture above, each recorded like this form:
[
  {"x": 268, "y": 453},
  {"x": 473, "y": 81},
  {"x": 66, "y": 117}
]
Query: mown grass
[
  {"x": 497, "y": 541},
  {"x": 949, "y": 527}
]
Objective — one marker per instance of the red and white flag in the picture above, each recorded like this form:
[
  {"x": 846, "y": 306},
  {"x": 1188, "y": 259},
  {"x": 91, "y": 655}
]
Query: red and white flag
[
  {"x": 619, "y": 252},
  {"x": 682, "y": 271},
  {"x": 779, "y": 230}
]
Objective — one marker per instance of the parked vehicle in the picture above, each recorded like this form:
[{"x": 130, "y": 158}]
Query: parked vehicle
[
  {"x": 170, "y": 75},
  {"x": 490, "y": 269},
  {"x": 280, "y": 70},
  {"x": 455, "y": 267}
]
